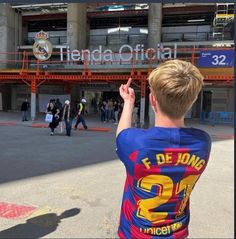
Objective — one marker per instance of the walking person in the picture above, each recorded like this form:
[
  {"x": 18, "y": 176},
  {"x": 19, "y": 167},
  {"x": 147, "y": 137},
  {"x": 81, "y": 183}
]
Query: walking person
[
  {"x": 24, "y": 109},
  {"x": 68, "y": 116},
  {"x": 59, "y": 106},
  {"x": 103, "y": 111},
  {"x": 163, "y": 163},
  {"x": 52, "y": 109},
  {"x": 80, "y": 114}
]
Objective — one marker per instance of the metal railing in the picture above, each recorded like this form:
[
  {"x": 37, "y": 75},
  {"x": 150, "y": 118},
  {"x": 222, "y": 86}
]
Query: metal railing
[
  {"x": 218, "y": 117},
  {"x": 132, "y": 39},
  {"x": 149, "y": 58}
]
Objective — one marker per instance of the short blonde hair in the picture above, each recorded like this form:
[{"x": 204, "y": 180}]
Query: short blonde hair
[{"x": 175, "y": 85}]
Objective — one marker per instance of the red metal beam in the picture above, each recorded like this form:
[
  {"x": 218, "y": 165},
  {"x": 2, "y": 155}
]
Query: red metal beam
[
  {"x": 96, "y": 77},
  {"x": 55, "y": 16},
  {"x": 118, "y": 13},
  {"x": 188, "y": 9}
]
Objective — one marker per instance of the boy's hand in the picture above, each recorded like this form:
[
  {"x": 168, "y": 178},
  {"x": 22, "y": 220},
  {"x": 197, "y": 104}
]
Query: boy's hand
[{"x": 127, "y": 93}]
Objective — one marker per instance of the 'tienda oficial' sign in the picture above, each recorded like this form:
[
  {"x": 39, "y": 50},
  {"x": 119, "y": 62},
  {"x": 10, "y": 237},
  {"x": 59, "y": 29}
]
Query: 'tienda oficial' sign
[
  {"x": 216, "y": 58},
  {"x": 125, "y": 53},
  {"x": 42, "y": 50}
]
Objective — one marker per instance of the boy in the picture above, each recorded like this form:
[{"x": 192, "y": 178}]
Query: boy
[{"x": 163, "y": 163}]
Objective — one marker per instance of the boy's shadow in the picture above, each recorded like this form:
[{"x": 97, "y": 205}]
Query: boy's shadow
[{"x": 37, "y": 227}]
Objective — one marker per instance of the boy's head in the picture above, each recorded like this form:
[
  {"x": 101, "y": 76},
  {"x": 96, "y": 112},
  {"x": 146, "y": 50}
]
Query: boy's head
[{"x": 175, "y": 85}]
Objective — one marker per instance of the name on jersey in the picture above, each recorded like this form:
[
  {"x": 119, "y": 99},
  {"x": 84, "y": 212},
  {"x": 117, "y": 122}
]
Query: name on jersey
[{"x": 186, "y": 159}]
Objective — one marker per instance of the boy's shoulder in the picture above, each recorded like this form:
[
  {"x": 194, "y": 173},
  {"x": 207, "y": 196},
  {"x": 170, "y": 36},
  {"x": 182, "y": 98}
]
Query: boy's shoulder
[
  {"x": 132, "y": 132},
  {"x": 196, "y": 133},
  {"x": 163, "y": 132}
]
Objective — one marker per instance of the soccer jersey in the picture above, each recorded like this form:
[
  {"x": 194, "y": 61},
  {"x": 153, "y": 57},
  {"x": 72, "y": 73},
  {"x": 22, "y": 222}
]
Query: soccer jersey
[{"x": 162, "y": 167}]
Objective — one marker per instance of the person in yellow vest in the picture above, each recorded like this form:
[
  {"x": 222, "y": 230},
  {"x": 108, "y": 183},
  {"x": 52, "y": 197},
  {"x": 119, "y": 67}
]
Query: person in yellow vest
[{"x": 80, "y": 114}]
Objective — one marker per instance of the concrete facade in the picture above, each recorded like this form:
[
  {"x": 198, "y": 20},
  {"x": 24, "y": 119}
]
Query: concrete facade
[
  {"x": 10, "y": 32},
  {"x": 154, "y": 37},
  {"x": 78, "y": 38},
  {"x": 154, "y": 24},
  {"x": 77, "y": 25}
]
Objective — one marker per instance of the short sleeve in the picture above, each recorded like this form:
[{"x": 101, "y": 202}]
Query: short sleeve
[{"x": 126, "y": 143}]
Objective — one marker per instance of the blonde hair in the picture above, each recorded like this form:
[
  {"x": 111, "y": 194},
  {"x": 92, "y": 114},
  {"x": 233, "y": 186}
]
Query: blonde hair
[{"x": 175, "y": 85}]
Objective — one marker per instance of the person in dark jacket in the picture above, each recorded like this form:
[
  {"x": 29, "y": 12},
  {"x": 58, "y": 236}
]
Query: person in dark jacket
[
  {"x": 59, "y": 106},
  {"x": 55, "y": 113},
  {"x": 103, "y": 111},
  {"x": 24, "y": 109}
]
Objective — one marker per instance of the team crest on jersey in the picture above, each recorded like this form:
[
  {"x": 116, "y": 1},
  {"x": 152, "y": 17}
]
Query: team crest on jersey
[{"x": 42, "y": 48}]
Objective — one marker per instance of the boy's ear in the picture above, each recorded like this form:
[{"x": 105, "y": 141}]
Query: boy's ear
[{"x": 153, "y": 102}]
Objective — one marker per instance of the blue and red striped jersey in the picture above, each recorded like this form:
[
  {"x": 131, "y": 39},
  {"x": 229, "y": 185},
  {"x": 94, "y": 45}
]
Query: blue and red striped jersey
[{"x": 162, "y": 168}]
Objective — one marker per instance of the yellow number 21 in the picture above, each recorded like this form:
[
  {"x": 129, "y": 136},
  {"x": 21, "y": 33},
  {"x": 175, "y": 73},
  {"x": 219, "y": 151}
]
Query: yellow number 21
[{"x": 165, "y": 192}]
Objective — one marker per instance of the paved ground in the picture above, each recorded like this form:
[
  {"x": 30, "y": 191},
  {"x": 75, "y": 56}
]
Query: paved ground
[{"x": 82, "y": 174}]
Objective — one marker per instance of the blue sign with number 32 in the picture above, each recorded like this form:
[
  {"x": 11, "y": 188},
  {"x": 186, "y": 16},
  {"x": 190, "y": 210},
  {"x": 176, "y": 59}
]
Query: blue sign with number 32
[{"x": 219, "y": 58}]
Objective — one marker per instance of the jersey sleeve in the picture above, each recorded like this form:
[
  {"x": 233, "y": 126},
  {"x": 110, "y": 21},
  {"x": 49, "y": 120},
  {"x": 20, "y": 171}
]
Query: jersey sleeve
[
  {"x": 207, "y": 146},
  {"x": 126, "y": 143}
]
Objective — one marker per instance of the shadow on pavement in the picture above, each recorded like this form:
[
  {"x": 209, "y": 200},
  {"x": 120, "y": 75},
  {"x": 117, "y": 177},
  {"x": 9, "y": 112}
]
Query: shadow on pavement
[{"x": 37, "y": 227}]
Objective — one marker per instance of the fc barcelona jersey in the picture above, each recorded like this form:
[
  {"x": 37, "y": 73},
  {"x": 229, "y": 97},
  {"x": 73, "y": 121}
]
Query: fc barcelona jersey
[{"x": 162, "y": 167}]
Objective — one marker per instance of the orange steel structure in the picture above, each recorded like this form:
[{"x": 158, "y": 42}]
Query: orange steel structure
[{"x": 86, "y": 73}]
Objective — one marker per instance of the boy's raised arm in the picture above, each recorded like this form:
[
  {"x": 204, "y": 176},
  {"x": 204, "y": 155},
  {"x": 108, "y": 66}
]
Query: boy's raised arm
[{"x": 128, "y": 95}]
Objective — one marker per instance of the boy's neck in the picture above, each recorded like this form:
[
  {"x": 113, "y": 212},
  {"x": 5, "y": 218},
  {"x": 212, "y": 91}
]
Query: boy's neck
[{"x": 162, "y": 120}]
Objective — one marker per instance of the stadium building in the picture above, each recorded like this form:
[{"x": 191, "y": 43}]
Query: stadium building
[{"x": 75, "y": 50}]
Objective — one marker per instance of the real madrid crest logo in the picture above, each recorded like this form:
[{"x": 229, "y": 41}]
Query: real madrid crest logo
[{"x": 42, "y": 48}]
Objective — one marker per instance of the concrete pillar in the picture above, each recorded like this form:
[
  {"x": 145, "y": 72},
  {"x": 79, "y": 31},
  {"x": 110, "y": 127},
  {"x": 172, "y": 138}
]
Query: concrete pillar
[
  {"x": 77, "y": 26},
  {"x": 154, "y": 37},
  {"x": 154, "y": 24},
  {"x": 20, "y": 35},
  {"x": 33, "y": 99},
  {"x": 9, "y": 32},
  {"x": 142, "y": 103},
  {"x": 142, "y": 111},
  {"x": 18, "y": 32},
  {"x": 24, "y": 33},
  {"x": 13, "y": 97},
  {"x": 151, "y": 116},
  {"x": 88, "y": 33}
]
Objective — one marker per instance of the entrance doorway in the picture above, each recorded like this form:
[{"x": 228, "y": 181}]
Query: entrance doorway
[
  {"x": 106, "y": 95},
  {"x": 207, "y": 102}
]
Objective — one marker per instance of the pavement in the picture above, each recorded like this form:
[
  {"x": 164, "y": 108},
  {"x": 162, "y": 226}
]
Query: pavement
[{"x": 71, "y": 187}]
